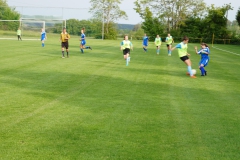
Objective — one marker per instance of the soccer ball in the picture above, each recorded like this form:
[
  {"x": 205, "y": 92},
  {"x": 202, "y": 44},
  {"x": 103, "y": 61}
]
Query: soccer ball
[{"x": 194, "y": 71}]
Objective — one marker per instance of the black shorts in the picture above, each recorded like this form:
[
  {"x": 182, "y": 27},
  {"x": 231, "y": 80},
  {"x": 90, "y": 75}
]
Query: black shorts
[
  {"x": 184, "y": 58},
  {"x": 126, "y": 51},
  {"x": 64, "y": 45},
  {"x": 169, "y": 45}
]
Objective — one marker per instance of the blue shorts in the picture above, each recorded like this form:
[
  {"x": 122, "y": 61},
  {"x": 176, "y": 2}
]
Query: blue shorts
[
  {"x": 204, "y": 62},
  {"x": 83, "y": 43},
  {"x": 145, "y": 44},
  {"x": 42, "y": 38}
]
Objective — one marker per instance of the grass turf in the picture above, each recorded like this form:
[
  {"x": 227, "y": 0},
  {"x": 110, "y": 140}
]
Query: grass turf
[{"x": 92, "y": 106}]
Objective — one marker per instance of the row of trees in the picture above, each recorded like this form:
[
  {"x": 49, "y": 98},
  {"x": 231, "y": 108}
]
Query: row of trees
[{"x": 179, "y": 17}]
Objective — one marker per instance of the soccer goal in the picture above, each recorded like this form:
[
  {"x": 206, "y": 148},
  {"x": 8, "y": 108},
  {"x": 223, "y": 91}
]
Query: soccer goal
[{"x": 30, "y": 28}]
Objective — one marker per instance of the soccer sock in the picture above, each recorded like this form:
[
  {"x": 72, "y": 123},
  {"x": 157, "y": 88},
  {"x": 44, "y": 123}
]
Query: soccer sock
[
  {"x": 67, "y": 53},
  {"x": 87, "y": 47},
  {"x": 81, "y": 50},
  {"x": 63, "y": 53},
  {"x": 144, "y": 49},
  {"x": 190, "y": 70},
  {"x": 202, "y": 70},
  {"x": 42, "y": 44}
]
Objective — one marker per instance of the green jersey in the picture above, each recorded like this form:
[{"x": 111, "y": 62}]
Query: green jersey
[
  {"x": 158, "y": 41},
  {"x": 169, "y": 40},
  {"x": 126, "y": 44},
  {"x": 18, "y": 32},
  {"x": 182, "y": 49}
]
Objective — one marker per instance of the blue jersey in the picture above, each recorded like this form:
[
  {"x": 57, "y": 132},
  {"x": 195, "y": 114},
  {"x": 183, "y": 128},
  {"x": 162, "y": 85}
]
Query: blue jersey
[
  {"x": 203, "y": 55},
  {"x": 145, "y": 41},
  {"x": 83, "y": 41},
  {"x": 43, "y": 35}
]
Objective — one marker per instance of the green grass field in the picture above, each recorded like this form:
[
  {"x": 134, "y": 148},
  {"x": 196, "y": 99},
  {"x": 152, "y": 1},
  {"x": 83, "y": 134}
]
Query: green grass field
[{"x": 93, "y": 107}]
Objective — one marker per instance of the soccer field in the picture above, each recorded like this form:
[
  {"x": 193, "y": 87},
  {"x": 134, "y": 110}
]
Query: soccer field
[{"x": 92, "y": 106}]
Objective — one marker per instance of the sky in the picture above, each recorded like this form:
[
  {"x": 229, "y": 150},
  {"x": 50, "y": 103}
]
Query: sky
[{"x": 78, "y": 9}]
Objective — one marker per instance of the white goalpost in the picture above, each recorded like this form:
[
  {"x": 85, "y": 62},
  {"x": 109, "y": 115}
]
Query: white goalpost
[{"x": 30, "y": 27}]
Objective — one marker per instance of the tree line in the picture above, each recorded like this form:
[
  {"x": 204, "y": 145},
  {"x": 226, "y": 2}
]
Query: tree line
[{"x": 178, "y": 17}]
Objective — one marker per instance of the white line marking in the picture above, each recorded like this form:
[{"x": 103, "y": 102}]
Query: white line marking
[{"x": 227, "y": 51}]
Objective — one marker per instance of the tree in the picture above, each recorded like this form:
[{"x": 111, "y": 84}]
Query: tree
[
  {"x": 151, "y": 25},
  {"x": 172, "y": 12},
  {"x": 8, "y": 13},
  {"x": 238, "y": 16},
  {"x": 216, "y": 22},
  {"x": 107, "y": 10}
]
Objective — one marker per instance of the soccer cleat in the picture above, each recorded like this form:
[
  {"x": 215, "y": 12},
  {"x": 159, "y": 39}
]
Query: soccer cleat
[
  {"x": 63, "y": 57},
  {"x": 193, "y": 77},
  {"x": 188, "y": 73},
  {"x": 169, "y": 54},
  {"x": 90, "y": 48},
  {"x": 205, "y": 73}
]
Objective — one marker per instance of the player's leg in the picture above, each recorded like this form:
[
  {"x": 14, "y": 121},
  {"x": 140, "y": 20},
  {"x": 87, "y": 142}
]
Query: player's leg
[
  {"x": 62, "y": 45},
  {"x": 187, "y": 61},
  {"x": 67, "y": 50},
  {"x": 82, "y": 46},
  {"x": 169, "y": 50},
  {"x": 43, "y": 43},
  {"x": 157, "y": 49}
]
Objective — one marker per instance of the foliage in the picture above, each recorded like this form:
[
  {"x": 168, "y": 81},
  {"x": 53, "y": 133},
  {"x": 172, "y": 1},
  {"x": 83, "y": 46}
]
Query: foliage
[
  {"x": 108, "y": 11},
  {"x": 238, "y": 16},
  {"x": 151, "y": 26},
  {"x": 8, "y": 13},
  {"x": 173, "y": 12}
]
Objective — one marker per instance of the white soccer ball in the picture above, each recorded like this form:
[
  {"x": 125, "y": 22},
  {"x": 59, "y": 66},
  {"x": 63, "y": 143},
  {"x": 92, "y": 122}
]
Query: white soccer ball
[{"x": 194, "y": 71}]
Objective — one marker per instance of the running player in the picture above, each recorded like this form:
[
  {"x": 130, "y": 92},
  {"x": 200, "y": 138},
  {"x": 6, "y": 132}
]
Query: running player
[
  {"x": 145, "y": 42},
  {"x": 19, "y": 32},
  {"x": 126, "y": 45},
  {"x": 43, "y": 36},
  {"x": 204, "y": 52},
  {"x": 183, "y": 54},
  {"x": 169, "y": 41},
  {"x": 64, "y": 41},
  {"x": 83, "y": 41},
  {"x": 158, "y": 42}
]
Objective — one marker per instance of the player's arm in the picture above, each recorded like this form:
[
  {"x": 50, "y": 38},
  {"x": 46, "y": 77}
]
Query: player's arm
[
  {"x": 177, "y": 46},
  {"x": 196, "y": 50},
  {"x": 121, "y": 44}
]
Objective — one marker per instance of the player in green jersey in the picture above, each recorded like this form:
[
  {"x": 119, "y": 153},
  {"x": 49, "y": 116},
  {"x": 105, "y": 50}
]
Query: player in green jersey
[
  {"x": 158, "y": 42},
  {"x": 126, "y": 45},
  {"x": 184, "y": 55},
  {"x": 169, "y": 41},
  {"x": 19, "y": 32}
]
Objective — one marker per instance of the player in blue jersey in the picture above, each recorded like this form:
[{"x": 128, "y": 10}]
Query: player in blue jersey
[
  {"x": 204, "y": 52},
  {"x": 43, "y": 36},
  {"x": 126, "y": 46},
  {"x": 145, "y": 42},
  {"x": 83, "y": 41}
]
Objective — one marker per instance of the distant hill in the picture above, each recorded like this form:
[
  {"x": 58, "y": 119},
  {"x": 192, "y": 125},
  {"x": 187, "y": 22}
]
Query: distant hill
[{"x": 126, "y": 26}]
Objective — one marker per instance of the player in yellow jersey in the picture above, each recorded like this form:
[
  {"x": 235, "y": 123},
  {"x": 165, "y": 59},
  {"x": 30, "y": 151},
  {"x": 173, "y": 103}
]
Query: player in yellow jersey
[
  {"x": 158, "y": 42},
  {"x": 169, "y": 41},
  {"x": 64, "y": 39},
  {"x": 126, "y": 45}
]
